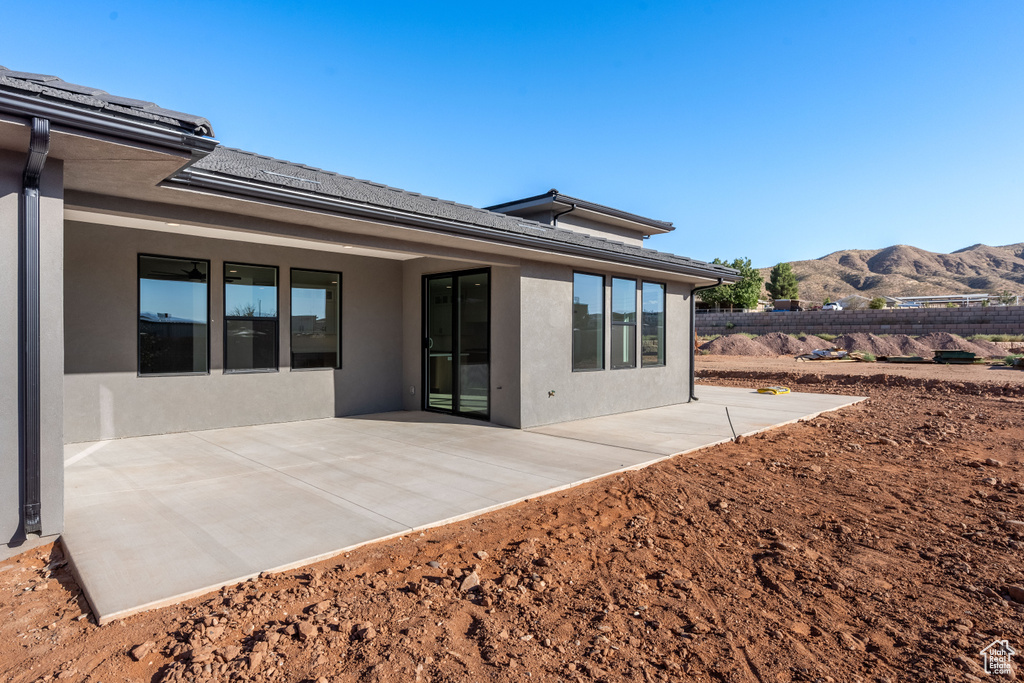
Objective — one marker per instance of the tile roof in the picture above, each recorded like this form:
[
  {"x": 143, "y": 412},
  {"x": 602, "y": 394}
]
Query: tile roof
[
  {"x": 236, "y": 163},
  {"x": 85, "y": 97}
]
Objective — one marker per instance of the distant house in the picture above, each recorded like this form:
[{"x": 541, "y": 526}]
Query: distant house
[{"x": 171, "y": 284}]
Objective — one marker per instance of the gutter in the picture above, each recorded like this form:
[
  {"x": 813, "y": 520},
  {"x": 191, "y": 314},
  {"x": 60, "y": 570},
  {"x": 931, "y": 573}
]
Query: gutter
[
  {"x": 66, "y": 116},
  {"x": 29, "y": 283},
  {"x": 237, "y": 188},
  {"x": 555, "y": 196},
  {"x": 693, "y": 333}
]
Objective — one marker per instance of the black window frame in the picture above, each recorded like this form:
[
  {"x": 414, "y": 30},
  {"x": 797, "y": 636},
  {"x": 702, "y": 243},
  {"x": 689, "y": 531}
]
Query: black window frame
[
  {"x": 614, "y": 324},
  {"x": 604, "y": 316},
  {"x": 664, "y": 333},
  {"x": 291, "y": 316},
  {"x": 138, "y": 312},
  {"x": 277, "y": 319}
]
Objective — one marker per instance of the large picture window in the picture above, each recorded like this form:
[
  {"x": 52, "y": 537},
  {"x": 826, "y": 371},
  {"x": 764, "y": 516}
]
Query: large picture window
[
  {"x": 250, "y": 317},
  {"x": 173, "y": 316},
  {"x": 652, "y": 327},
  {"x": 623, "y": 323},
  {"x": 587, "y": 322},
  {"x": 316, "y": 319}
]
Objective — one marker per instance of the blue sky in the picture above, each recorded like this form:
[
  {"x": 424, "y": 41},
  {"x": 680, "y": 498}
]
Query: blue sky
[{"x": 770, "y": 130}]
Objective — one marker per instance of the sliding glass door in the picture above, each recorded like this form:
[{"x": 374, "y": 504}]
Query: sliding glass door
[{"x": 457, "y": 342}]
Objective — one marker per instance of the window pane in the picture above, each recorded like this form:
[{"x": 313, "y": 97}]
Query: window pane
[
  {"x": 250, "y": 305},
  {"x": 587, "y": 322},
  {"x": 623, "y": 346},
  {"x": 652, "y": 329},
  {"x": 474, "y": 339},
  {"x": 440, "y": 344},
  {"x": 623, "y": 300},
  {"x": 173, "y": 319},
  {"x": 623, "y": 323},
  {"x": 316, "y": 316}
]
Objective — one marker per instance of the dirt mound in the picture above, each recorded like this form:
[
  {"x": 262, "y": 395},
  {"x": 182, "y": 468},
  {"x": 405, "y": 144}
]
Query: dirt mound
[
  {"x": 988, "y": 349},
  {"x": 861, "y": 341},
  {"x": 908, "y": 346},
  {"x": 952, "y": 342},
  {"x": 736, "y": 345},
  {"x": 781, "y": 344},
  {"x": 812, "y": 343}
]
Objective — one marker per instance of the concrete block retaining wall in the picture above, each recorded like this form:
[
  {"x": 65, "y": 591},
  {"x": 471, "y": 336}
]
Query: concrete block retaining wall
[{"x": 915, "y": 321}]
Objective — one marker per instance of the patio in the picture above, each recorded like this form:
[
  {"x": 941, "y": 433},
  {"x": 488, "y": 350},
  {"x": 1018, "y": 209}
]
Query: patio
[{"x": 153, "y": 520}]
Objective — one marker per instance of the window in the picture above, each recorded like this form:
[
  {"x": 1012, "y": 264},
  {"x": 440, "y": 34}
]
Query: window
[
  {"x": 623, "y": 323},
  {"x": 652, "y": 328},
  {"x": 316, "y": 319},
  {"x": 173, "y": 316},
  {"x": 587, "y": 322},
  {"x": 250, "y": 317}
]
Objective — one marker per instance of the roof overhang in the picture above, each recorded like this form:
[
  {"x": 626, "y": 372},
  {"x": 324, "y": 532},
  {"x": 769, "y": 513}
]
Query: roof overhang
[
  {"x": 238, "y": 188},
  {"x": 556, "y": 202}
]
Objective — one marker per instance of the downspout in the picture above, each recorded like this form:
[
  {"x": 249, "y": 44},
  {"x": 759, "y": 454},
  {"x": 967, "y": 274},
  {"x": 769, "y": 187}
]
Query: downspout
[
  {"x": 30, "y": 413},
  {"x": 693, "y": 333},
  {"x": 554, "y": 219}
]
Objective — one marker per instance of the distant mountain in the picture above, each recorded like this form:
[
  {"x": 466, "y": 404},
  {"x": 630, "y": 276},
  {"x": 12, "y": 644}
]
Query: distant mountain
[{"x": 909, "y": 271}]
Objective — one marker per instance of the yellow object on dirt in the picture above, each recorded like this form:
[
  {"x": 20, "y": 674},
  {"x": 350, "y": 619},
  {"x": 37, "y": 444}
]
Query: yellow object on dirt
[{"x": 773, "y": 390}]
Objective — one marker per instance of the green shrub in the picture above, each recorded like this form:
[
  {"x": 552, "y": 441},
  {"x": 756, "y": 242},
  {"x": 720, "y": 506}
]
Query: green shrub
[
  {"x": 1012, "y": 360},
  {"x": 729, "y": 325},
  {"x": 877, "y": 303},
  {"x": 826, "y": 337},
  {"x": 866, "y": 355}
]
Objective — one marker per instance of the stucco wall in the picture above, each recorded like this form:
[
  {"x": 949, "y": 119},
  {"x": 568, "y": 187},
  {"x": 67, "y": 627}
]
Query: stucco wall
[
  {"x": 104, "y": 397},
  {"x": 962, "y": 321},
  {"x": 10, "y": 479},
  {"x": 51, "y": 360},
  {"x": 586, "y": 226},
  {"x": 546, "y": 333},
  {"x": 505, "y": 369}
]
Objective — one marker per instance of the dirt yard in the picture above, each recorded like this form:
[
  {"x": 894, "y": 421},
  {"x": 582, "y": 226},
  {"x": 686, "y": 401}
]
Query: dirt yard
[{"x": 880, "y": 543}]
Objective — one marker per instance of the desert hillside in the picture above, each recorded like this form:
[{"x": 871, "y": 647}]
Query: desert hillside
[{"x": 908, "y": 271}]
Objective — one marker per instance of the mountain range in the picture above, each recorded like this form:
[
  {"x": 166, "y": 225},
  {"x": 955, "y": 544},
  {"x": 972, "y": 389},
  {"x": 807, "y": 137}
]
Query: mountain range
[{"x": 902, "y": 270}]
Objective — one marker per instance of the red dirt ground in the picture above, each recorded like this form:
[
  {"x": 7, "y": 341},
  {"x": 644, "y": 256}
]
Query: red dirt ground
[{"x": 879, "y": 543}]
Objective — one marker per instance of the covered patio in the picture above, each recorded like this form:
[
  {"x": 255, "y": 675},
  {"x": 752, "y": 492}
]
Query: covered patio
[{"x": 156, "y": 519}]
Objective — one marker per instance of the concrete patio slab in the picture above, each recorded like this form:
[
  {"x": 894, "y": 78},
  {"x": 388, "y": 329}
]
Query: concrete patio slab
[{"x": 154, "y": 520}]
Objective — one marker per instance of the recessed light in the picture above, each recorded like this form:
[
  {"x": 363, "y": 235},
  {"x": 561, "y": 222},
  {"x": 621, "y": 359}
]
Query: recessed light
[
  {"x": 232, "y": 271},
  {"x": 175, "y": 224},
  {"x": 346, "y": 247}
]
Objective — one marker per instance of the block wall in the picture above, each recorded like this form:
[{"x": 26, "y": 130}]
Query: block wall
[{"x": 913, "y": 321}]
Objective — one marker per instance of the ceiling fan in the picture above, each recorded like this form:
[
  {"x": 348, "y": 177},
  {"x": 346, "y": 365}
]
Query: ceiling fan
[{"x": 193, "y": 274}]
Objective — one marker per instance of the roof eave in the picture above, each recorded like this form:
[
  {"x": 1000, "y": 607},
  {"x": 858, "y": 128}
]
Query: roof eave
[
  {"x": 654, "y": 226},
  {"x": 75, "y": 119},
  {"x": 246, "y": 189}
]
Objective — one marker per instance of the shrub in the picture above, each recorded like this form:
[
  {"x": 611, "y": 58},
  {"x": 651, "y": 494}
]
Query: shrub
[
  {"x": 729, "y": 325},
  {"x": 826, "y": 337},
  {"x": 877, "y": 303},
  {"x": 866, "y": 355},
  {"x": 1013, "y": 360}
]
